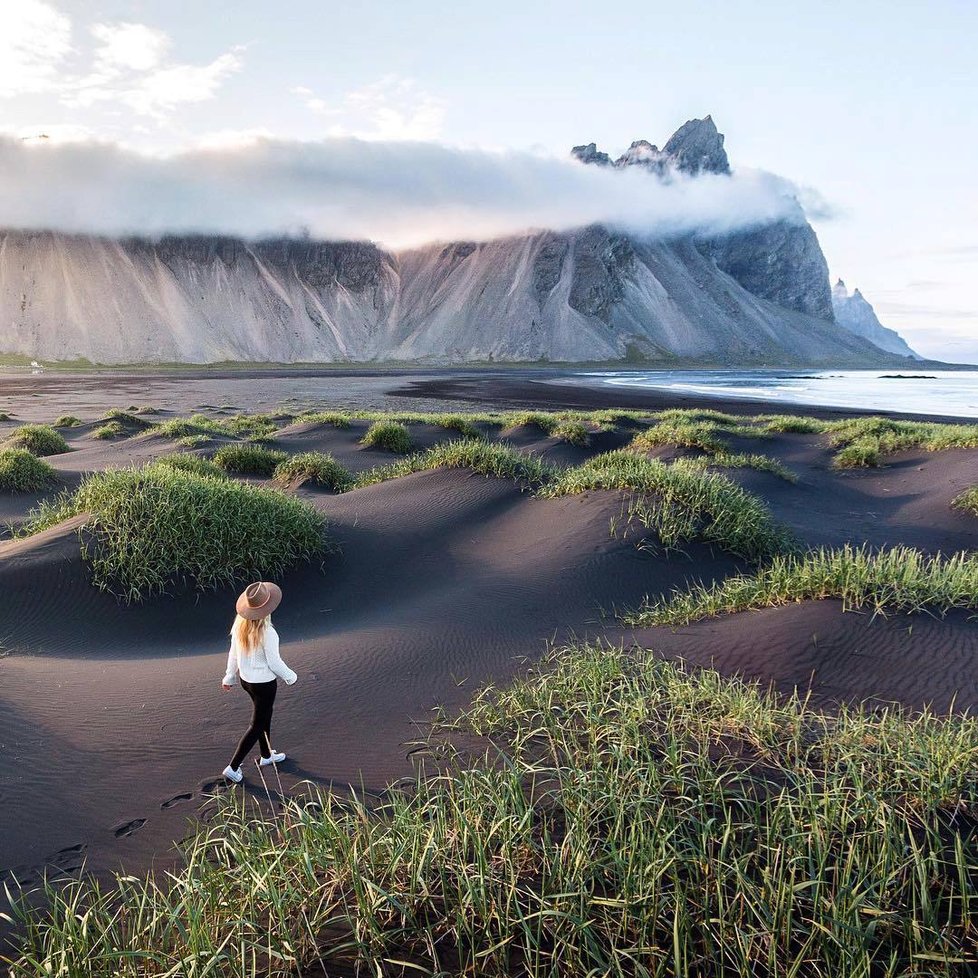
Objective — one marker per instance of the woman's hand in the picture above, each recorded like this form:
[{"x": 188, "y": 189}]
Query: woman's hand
[{"x": 225, "y": 687}]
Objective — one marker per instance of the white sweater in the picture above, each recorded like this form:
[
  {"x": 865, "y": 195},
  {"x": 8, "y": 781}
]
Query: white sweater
[{"x": 261, "y": 665}]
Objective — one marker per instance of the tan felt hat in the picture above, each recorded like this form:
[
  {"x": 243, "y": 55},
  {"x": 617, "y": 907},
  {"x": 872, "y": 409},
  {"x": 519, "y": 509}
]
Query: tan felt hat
[{"x": 258, "y": 600}]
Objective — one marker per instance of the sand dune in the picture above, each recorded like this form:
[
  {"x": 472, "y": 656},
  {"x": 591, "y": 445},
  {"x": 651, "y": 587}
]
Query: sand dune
[{"x": 114, "y": 727}]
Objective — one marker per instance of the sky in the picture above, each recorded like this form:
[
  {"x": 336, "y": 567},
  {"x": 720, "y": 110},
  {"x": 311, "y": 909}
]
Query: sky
[{"x": 865, "y": 106}]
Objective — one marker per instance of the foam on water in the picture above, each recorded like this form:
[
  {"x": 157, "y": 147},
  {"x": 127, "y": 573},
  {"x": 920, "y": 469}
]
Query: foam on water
[{"x": 936, "y": 392}]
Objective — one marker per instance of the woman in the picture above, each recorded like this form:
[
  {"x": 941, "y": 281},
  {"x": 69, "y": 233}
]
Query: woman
[{"x": 254, "y": 657}]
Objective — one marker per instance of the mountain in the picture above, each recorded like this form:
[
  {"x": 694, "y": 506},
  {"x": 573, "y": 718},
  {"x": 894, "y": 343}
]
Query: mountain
[
  {"x": 759, "y": 296},
  {"x": 855, "y": 314}
]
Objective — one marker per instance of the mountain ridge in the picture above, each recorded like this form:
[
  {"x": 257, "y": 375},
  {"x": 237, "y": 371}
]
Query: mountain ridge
[{"x": 759, "y": 296}]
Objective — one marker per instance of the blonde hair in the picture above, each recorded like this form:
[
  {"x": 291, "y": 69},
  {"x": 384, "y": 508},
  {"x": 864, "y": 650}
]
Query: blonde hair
[{"x": 248, "y": 632}]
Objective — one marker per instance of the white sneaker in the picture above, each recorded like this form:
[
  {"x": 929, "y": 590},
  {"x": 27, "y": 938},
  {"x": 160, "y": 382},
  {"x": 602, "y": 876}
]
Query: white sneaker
[
  {"x": 276, "y": 758},
  {"x": 233, "y": 775}
]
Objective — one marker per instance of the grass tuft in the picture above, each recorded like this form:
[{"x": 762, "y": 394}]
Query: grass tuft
[
  {"x": 496, "y": 461},
  {"x": 318, "y": 468},
  {"x": 67, "y": 421},
  {"x": 967, "y": 500},
  {"x": 573, "y": 432},
  {"x": 194, "y": 464},
  {"x": 392, "y": 436},
  {"x": 248, "y": 459},
  {"x": 738, "y": 460},
  {"x": 194, "y": 441},
  {"x": 338, "y": 419},
  {"x": 38, "y": 439},
  {"x": 861, "y": 442},
  {"x": 898, "y": 579},
  {"x": 111, "y": 429},
  {"x": 22, "y": 471},
  {"x": 157, "y": 526},
  {"x": 681, "y": 503}
]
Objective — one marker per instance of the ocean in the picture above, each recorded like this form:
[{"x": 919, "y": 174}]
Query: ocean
[{"x": 935, "y": 392}]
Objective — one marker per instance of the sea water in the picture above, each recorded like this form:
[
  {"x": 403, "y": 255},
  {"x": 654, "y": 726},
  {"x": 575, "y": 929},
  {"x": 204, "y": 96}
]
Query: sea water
[{"x": 935, "y": 392}]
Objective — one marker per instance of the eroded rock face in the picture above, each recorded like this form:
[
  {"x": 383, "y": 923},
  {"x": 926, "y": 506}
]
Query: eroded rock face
[
  {"x": 781, "y": 262},
  {"x": 548, "y": 265},
  {"x": 855, "y": 314},
  {"x": 602, "y": 263}
]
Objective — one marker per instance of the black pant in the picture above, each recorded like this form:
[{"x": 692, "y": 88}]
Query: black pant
[{"x": 263, "y": 697}]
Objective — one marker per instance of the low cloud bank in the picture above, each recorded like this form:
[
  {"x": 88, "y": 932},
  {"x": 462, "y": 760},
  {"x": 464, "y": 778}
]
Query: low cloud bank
[{"x": 399, "y": 194}]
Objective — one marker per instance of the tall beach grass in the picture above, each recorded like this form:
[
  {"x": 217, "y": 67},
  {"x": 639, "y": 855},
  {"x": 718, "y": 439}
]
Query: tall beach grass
[
  {"x": 900, "y": 579},
  {"x": 629, "y": 818},
  {"x": 154, "y": 528},
  {"x": 680, "y": 502}
]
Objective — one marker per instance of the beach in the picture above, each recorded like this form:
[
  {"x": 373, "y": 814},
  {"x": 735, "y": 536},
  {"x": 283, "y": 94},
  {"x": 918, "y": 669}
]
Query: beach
[{"x": 114, "y": 726}]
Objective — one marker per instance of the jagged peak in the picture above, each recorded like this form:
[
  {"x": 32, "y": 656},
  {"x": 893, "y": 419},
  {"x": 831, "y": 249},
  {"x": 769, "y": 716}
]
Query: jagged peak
[
  {"x": 588, "y": 153},
  {"x": 697, "y": 146}
]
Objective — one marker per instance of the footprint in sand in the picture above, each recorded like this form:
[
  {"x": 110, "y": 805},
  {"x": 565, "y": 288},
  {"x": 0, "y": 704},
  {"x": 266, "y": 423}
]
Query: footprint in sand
[
  {"x": 69, "y": 859},
  {"x": 134, "y": 826},
  {"x": 176, "y": 800},
  {"x": 214, "y": 787}
]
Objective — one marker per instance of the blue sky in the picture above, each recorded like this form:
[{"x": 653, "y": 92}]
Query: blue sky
[{"x": 868, "y": 103}]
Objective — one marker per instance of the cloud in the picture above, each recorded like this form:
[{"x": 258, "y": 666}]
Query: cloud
[
  {"x": 131, "y": 67},
  {"x": 35, "y": 40},
  {"x": 130, "y": 64},
  {"x": 392, "y": 108},
  {"x": 121, "y": 46},
  {"x": 343, "y": 188}
]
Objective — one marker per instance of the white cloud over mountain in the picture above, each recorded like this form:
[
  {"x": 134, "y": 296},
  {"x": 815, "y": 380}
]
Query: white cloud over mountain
[{"x": 398, "y": 193}]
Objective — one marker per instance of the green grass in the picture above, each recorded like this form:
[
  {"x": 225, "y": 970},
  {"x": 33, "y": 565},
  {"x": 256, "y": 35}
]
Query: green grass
[
  {"x": 188, "y": 427},
  {"x": 739, "y": 460},
  {"x": 22, "y": 471},
  {"x": 248, "y": 459},
  {"x": 546, "y": 421},
  {"x": 392, "y": 436},
  {"x": 338, "y": 419},
  {"x": 157, "y": 527},
  {"x": 458, "y": 422},
  {"x": 255, "y": 427},
  {"x": 194, "y": 441},
  {"x": 791, "y": 424},
  {"x": 900, "y": 579},
  {"x": 111, "y": 429},
  {"x": 630, "y": 818},
  {"x": 573, "y": 432},
  {"x": 194, "y": 464},
  {"x": 38, "y": 439},
  {"x": 862, "y": 442},
  {"x": 679, "y": 434},
  {"x": 681, "y": 503},
  {"x": 128, "y": 418},
  {"x": 317, "y": 468},
  {"x": 486, "y": 458},
  {"x": 67, "y": 421},
  {"x": 967, "y": 500}
]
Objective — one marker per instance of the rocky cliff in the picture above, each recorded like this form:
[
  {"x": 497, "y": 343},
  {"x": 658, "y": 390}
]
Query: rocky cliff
[
  {"x": 757, "y": 297},
  {"x": 855, "y": 314}
]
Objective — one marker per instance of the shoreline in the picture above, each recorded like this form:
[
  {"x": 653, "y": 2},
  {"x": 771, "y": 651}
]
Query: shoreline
[{"x": 25, "y": 395}]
